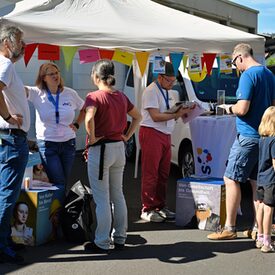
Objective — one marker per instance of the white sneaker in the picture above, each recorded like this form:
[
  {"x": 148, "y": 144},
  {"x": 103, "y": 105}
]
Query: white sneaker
[
  {"x": 166, "y": 214},
  {"x": 151, "y": 216},
  {"x": 268, "y": 248}
]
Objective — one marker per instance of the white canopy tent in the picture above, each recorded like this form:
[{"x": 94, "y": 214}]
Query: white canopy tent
[
  {"x": 130, "y": 25},
  {"x": 127, "y": 24}
]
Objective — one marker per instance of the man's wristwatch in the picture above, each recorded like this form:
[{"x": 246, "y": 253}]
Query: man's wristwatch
[
  {"x": 230, "y": 110},
  {"x": 7, "y": 118}
]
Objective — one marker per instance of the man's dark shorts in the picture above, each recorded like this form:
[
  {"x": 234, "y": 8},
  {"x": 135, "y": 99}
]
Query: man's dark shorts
[{"x": 266, "y": 194}]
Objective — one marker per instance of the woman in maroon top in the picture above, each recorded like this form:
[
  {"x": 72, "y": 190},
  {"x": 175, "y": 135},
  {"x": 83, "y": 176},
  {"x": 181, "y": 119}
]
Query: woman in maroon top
[{"x": 105, "y": 122}]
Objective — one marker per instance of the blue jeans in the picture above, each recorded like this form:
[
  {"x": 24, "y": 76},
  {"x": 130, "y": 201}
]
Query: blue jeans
[
  {"x": 108, "y": 194},
  {"x": 14, "y": 152},
  {"x": 57, "y": 159}
]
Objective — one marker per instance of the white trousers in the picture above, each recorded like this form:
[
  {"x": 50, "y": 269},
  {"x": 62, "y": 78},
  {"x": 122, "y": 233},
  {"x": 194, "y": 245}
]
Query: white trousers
[{"x": 108, "y": 194}]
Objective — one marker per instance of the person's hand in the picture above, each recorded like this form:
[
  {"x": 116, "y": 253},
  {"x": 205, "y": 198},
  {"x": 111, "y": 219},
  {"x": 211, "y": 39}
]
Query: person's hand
[
  {"x": 28, "y": 240},
  {"x": 16, "y": 119},
  {"x": 73, "y": 127},
  {"x": 94, "y": 140},
  {"x": 182, "y": 112},
  {"x": 226, "y": 107},
  {"x": 125, "y": 138}
]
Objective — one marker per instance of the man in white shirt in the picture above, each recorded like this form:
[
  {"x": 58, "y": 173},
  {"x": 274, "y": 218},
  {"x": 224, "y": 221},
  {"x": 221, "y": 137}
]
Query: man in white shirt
[
  {"x": 14, "y": 124},
  {"x": 155, "y": 142}
]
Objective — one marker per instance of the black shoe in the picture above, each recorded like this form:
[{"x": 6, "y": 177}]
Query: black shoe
[
  {"x": 9, "y": 256},
  {"x": 119, "y": 246},
  {"x": 93, "y": 248}
]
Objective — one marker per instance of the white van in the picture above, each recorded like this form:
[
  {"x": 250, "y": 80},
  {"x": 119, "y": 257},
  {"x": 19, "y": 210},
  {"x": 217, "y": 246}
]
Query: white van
[{"x": 204, "y": 92}]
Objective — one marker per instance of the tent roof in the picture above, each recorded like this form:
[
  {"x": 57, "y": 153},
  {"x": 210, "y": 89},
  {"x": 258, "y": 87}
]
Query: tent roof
[{"x": 131, "y": 25}]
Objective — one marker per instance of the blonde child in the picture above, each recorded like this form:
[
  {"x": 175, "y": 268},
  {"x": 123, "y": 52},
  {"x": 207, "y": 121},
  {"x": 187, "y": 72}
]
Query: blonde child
[{"x": 266, "y": 180}]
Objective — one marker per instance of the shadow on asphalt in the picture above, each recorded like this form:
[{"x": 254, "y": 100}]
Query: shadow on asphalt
[{"x": 137, "y": 247}]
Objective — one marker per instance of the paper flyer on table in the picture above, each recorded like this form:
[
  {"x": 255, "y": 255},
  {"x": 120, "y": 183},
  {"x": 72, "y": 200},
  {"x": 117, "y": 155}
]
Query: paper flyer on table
[{"x": 197, "y": 111}]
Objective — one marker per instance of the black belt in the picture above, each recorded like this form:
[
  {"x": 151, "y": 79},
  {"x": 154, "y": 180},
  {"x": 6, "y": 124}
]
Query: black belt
[
  {"x": 102, "y": 151},
  {"x": 17, "y": 132}
]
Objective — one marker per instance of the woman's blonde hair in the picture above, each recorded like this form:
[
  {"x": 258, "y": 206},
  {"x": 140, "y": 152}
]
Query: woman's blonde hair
[
  {"x": 40, "y": 83},
  {"x": 267, "y": 125}
]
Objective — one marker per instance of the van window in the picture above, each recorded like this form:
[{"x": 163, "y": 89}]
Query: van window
[{"x": 206, "y": 90}]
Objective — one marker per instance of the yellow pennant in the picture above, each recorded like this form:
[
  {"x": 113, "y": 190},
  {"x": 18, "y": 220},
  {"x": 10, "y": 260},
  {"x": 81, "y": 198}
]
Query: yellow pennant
[
  {"x": 123, "y": 57},
  {"x": 68, "y": 53},
  {"x": 142, "y": 59},
  {"x": 184, "y": 61}
]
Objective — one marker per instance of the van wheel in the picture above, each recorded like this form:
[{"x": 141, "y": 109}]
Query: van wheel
[
  {"x": 186, "y": 160},
  {"x": 130, "y": 148}
]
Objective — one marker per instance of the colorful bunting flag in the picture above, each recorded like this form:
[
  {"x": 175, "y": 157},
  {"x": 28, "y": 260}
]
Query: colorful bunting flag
[
  {"x": 29, "y": 50},
  {"x": 175, "y": 59},
  {"x": 48, "y": 52},
  {"x": 184, "y": 61},
  {"x": 68, "y": 53},
  {"x": 106, "y": 54},
  {"x": 123, "y": 57},
  {"x": 209, "y": 59},
  {"x": 88, "y": 56},
  {"x": 142, "y": 59}
]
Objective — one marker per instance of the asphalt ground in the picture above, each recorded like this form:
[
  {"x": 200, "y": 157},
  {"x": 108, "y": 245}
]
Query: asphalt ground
[{"x": 151, "y": 248}]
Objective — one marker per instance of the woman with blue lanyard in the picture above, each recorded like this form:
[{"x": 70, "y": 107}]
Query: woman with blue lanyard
[{"x": 55, "y": 107}]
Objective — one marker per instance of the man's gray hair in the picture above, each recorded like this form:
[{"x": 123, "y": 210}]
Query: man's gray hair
[
  {"x": 244, "y": 49},
  {"x": 9, "y": 32}
]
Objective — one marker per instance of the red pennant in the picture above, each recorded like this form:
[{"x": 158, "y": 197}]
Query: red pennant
[
  {"x": 106, "y": 54},
  {"x": 48, "y": 52},
  {"x": 209, "y": 59},
  {"x": 29, "y": 50}
]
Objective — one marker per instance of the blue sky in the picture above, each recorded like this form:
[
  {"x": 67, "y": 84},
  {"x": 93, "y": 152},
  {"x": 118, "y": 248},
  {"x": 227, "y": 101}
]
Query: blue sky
[{"x": 266, "y": 17}]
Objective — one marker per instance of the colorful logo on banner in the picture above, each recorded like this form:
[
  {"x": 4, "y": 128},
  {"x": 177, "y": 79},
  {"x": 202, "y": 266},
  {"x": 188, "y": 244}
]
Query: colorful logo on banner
[{"x": 204, "y": 159}]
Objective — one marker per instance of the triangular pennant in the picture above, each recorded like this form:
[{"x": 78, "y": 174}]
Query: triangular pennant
[
  {"x": 209, "y": 59},
  {"x": 175, "y": 59},
  {"x": 29, "y": 50},
  {"x": 123, "y": 57},
  {"x": 106, "y": 54},
  {"x": 68, "y": 53},
  {"x": 48, "y": 52},
  {"x": 184, "y": 61},
  {"x": 142, "y": 59},
  {"x": 88, "y": 56}
]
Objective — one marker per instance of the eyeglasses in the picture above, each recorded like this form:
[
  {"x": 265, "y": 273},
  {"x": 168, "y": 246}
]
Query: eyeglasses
[
  {"x": 235, "y": 59},
  {"x": 171, "y": 81},
  {"x": 52, "y": 74}
]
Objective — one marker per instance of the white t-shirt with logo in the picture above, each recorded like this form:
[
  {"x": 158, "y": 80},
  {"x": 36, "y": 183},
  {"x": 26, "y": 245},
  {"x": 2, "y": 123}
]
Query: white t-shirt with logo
[
  {"x": 153, "y": 98},
  {"x": 14, "y": 94},
  {"x": 45, "y": 123}
]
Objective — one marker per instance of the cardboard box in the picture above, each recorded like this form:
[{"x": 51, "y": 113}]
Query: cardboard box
[
  {"x": 43, "y": 207},
  {"x": 202, "y": 198}
]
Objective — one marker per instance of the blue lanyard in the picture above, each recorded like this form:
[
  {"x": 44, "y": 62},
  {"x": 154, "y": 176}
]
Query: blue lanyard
[
  {"x": 55, "y": 103},
  {"x": 166, "y": 98}
]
